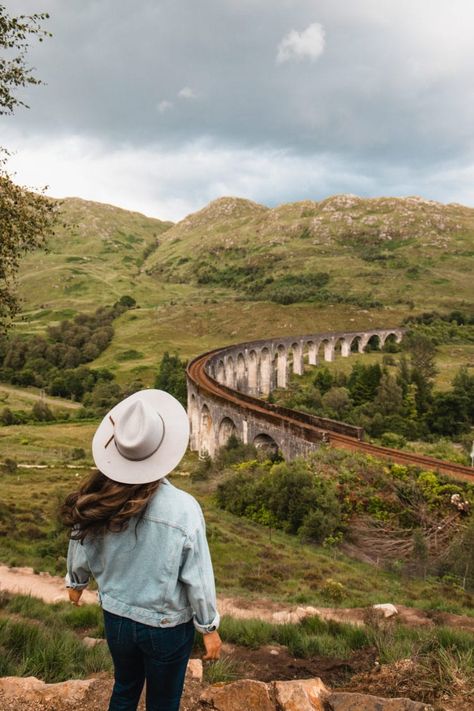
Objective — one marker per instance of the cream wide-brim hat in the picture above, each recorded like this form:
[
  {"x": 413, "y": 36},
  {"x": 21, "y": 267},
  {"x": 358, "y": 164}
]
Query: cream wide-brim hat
[{"x": 142, "y": 439}]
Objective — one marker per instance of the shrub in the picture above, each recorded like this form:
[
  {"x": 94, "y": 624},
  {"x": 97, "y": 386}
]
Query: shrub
[
  {"x": 9, "y": 466},
  {"x": 42, "y": 412},
  {"x": 286, "y": 495}
]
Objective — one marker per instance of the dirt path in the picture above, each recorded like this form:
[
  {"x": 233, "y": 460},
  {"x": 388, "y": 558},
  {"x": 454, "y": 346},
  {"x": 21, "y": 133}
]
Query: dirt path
[{"x": 51, "y": 589}]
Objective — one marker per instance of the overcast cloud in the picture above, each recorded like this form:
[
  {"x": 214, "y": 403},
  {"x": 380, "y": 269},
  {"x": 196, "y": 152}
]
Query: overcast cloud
[{"x": 163, "y": 105}]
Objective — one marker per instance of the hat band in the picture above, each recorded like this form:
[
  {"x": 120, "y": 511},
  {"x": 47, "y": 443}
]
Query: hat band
[{"x": 147, "y": 456}]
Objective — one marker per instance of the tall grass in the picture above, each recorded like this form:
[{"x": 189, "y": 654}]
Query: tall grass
[
  {"x": 316, "y": 637},
  {"x": 50, "y": 653},
  {"x": 311, "y": 637}
]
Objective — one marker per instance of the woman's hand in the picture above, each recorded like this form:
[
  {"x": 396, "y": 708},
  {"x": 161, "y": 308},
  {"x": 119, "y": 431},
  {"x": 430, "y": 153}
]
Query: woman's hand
[
  {"x": 74, "y": 595},
  {"x": 213, "y": 644}
]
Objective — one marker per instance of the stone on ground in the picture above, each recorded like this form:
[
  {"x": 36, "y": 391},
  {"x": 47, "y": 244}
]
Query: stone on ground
[
  {"x": 36, "y": 694},
  {"x": 387, "y": 608},
  {"x": 301, "y": 695},
  {"x": 244, "y": 695}
]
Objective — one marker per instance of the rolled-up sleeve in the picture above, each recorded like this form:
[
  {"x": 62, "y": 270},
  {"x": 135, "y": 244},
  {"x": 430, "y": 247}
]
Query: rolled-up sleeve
[
  {"x": 197, "y": 575},
  {"x": 78, "y": 571}
]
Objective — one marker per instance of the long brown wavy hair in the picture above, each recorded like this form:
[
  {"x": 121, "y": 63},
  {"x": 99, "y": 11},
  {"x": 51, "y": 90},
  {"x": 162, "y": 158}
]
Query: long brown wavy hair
[{"x": 102, "y": 505}]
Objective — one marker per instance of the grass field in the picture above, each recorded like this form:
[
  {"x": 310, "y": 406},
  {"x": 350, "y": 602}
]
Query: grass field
[{"x": 249, "y": 559}]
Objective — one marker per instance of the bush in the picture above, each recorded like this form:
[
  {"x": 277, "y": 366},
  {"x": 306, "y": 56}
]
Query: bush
[
  {"x": 78, "y": 453},
  {"x": 9, "y": 466},
  {"x": 286, "y": 495},
  {"x": 42, "y": 412}
]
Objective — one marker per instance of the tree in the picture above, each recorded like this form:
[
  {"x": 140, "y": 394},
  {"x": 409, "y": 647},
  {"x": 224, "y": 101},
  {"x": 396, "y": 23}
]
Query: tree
[
  {"x": 422, "y": 355},
  {"x": 26, "y": 218},
  {"x": 171, "y": 377},
  {"x": 363, "y": 382},
  {"x": 389, "y": 397},
  {"x": 337, "y": 402}
]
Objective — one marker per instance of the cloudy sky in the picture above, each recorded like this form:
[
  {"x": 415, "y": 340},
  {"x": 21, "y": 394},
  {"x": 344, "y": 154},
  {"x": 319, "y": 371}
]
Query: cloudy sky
[{"x": 163, "y": 105}]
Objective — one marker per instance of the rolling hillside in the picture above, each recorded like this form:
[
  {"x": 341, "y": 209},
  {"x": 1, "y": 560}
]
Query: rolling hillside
[{"x": 237, "y": 270}]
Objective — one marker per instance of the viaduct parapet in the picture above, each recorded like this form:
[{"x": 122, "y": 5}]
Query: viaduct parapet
[{"x": 226, "y": 390}]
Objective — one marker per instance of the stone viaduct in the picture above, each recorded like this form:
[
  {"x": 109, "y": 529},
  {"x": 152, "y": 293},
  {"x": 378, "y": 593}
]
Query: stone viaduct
[{"x": 227, "y": 390}]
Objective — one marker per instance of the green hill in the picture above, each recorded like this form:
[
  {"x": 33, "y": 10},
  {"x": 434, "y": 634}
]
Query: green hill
[
  {"x": 384, "y": 250},
  {"x": 237, "y": 270}
]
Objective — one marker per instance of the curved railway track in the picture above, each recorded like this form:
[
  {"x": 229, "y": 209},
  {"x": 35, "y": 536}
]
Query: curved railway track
[{"x": 196, "y": 371}]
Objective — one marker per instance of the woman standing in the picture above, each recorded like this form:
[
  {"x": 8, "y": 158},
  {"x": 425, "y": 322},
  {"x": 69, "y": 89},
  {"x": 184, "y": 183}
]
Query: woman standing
[{"x": 144, "y": 542}]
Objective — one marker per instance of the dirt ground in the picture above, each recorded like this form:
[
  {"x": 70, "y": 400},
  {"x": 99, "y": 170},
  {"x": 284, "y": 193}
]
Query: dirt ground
[
  {"x": 51, "y": 589},
  {"x": 269, "y": 663}
]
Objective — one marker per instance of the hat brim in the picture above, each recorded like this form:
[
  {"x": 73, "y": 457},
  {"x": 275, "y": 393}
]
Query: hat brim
[{"x": 168, "y": 455}]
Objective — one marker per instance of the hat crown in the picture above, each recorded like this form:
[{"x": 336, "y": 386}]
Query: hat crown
[{"x": 138, "y": 431}]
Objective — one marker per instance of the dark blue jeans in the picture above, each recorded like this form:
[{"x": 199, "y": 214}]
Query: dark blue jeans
[{"x": 157, "y": 654}]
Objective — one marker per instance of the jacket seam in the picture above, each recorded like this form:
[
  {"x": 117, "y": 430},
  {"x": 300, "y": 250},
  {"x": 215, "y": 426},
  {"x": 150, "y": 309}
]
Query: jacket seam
[{"x": 167, "y": 523}]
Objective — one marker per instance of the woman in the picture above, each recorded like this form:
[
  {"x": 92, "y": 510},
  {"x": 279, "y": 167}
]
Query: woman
[{"x": 144, "y": 542}]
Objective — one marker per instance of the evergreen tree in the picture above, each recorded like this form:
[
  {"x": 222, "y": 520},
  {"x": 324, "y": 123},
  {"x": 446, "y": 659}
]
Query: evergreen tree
[
  {"x": 171, "y": 377},
  {"x": 363, "y": 382},
  {"x": 389, "y": 397}
]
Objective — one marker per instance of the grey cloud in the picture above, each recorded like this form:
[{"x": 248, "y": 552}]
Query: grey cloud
[{"x": 392, "y": 90}]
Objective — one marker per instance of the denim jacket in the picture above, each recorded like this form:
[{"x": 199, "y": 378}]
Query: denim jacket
[{"x": 158, "y": 571}]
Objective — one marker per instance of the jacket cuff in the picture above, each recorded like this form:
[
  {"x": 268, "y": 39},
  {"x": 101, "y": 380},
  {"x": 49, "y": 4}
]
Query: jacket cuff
[
  {"x": 211, "y": 627},
  {"x": 75, "y": 586}
]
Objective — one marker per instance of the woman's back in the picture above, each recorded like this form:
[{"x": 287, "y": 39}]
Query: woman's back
[{"x": 148, "y": 571}]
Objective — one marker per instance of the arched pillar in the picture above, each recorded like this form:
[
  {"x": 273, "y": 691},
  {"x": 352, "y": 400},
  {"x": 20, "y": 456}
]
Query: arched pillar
[
  {"x": 281, "y": 367},
  {"x": 230, "y": 372},
  {"x": 241, "y": 373},
  {"x": 265, "y": 371},
  {"x": 328, "y": 350},
  {"x": 312, "y": 353},
  {"x": 345, "y": 348},
  {"x": 193, "y": 414},
  {"x": 363, "y": 340},
  {"x": 298, "y": 362},
  {"x": 206, "y": 433},
  {"x": 220, "y": 372},
  {"x": 252, "y": 373}
]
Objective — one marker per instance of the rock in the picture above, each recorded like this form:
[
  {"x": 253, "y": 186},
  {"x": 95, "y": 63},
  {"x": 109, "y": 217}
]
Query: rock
[
  {"x": 243, "y": 695},
  {"x": 194, "y": 669},
  {"x": 34, "y": 690},
  {"x": 301, "y": 695},
  {"x": 92, "y": 641},
  {"x": 342, "y": 701},
  {"x": 387, "y": 608}
]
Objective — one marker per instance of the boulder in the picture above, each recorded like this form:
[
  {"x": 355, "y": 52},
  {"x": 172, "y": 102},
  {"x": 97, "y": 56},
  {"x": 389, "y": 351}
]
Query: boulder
[
  {"x": 343, "y": 701},
  {"x": 194, "y": 670},
  {"x": 92, "y": 641},
  {"x": 33, "y": 690},
  {"x": 300, "y": 695},
  {"x": 243, "y": 695},
  {"x": 387, "y": 608}
]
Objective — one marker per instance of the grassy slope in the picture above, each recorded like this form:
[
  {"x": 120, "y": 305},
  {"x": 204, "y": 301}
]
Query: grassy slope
[
  {"x": 23, "y": 398},
  {"x": 246, "y": 558},
  {"x": 419, "y": 245}
]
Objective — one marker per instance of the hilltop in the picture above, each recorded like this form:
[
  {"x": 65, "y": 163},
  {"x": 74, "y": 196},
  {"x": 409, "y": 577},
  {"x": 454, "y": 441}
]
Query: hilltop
[
  {"x": 382, "y": 249},
  {"x": 237, "y": 270}
]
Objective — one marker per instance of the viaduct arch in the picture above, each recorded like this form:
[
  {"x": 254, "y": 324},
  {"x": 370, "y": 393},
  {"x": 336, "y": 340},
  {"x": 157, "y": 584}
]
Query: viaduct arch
[{"x": 226, "y": 388}]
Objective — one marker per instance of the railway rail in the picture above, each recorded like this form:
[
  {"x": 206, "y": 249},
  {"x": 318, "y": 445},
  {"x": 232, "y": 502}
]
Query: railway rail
[{"x": 196, "y": 372}]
